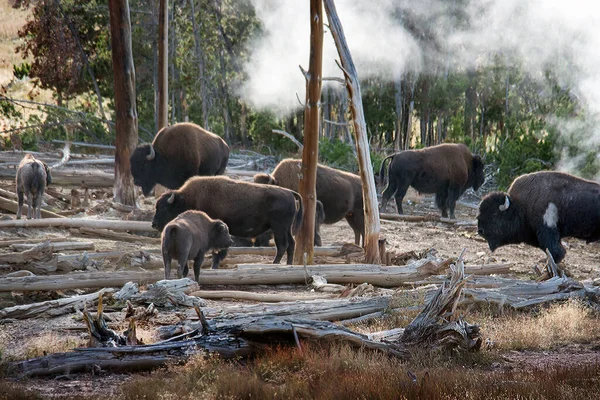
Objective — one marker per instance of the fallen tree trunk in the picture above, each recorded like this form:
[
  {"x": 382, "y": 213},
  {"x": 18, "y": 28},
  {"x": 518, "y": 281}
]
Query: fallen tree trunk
[
  {"x": 425, "y": 218},
  {"x": 72, "y": 177},
  {"x": 56, "y": 246},
  {"x": 251, "y": 296},
  {"x": 51, "y": 308},
  {"x": 118, "y": 236},
  {"x": 78, "y": 223},
  {"x": 270, "y": 251},
  {"x": 38, "y": 259},
  {"x": 7, "y": 243},
  {"x": 13, "y": 207}
]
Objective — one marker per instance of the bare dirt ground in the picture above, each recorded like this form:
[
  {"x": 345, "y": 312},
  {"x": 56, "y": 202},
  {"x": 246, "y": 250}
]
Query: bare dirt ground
[{"x": 30, "y": 338}]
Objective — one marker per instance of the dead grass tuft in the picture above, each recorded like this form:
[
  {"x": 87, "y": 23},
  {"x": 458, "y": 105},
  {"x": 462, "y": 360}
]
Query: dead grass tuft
[
  {"x": 46, "y": 343},
  {"x": 560, "y": 324},
  {"x": 9, "y": 391}
]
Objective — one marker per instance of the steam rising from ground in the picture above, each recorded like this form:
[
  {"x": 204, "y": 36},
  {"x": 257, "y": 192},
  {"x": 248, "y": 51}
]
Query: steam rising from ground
[{"x": 561, "y": 35}]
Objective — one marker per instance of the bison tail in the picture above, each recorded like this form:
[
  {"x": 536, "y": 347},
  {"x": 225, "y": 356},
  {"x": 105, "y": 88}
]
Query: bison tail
[
  {"x": 169, "y": 236},
  {"x": 382, "y": 169},
  {"x": 299, "y": 214}
]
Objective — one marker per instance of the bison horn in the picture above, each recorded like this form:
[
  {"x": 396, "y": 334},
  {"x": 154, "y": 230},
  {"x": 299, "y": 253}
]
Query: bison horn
[
  {"x": 152, "y": 154},
  {"x": 171, "y": 198},
  {"x": 506, "y": 204}
]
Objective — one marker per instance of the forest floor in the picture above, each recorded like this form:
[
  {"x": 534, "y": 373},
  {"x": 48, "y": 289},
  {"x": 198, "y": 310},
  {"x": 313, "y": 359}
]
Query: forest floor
[{"x": 577, "y": 346}]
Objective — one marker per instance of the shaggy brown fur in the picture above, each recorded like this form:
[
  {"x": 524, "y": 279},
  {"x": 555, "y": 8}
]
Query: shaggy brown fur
[
  {"x": 248, "y": 209},
  {"x": 181, "y": 151},
  {"x": 189, "y": 237},
  {"x": 32, "y": 178},
  {"x": 446, "y": 170},
  {"x": 339, "y": 191}
]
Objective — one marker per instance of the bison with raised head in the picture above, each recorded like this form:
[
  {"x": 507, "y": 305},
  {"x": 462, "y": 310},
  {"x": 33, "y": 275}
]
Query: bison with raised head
[
  {"x": 32, "y": 178},
  {"x": 177, "y": 153},
  {"x": 248, "y": 209},
  {"x": 539, "y": 209},
  {"x": 446, "y": 170},
  {"x": 339, "y": 191},
  {"x": 188, "y": 237}
]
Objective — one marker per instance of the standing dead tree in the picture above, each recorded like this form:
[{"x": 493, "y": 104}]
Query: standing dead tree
[
  {"x": 372, "y": 227},
  {"x": 305, "y": 247},
  {"x": 125, "y": 103}
]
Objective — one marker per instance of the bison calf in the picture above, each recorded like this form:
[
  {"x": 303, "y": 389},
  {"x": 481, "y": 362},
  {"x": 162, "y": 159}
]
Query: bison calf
[
  {"x": 340, "y": 192},
  {"x": 189, "y": 237},
  {"x": 32, "y": 178},
  {"x": 539, "y": 209},
  {"x": 446, "y": 170},
  {"x": 177, "y": 153},
  {"x": 248, "y": 209}
]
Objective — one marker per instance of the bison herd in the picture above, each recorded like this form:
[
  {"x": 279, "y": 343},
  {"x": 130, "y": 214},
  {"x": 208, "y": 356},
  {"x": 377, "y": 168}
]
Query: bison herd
[{"x": 205, "y": 211}]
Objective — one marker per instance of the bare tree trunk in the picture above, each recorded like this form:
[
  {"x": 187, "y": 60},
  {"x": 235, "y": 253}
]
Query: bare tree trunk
[
  {"x": 305, "y": 245},
  {"x": 243, "y": 124},
  {"x": 200, "y": 57},
  {"x": 171, "y": 62},
  {"x": 163, "y": 68},
  {"x": 125, "y": 103},
  {"x": 371, "y": 217},
  {"x": 398, "y": 98},
  {"x": 155, "y": 66},
  {"x": 223, "y": 84},
  {"x": 411, "y": 109}
]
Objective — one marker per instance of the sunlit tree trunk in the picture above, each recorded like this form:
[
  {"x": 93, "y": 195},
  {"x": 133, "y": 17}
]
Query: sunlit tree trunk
[
  {"x": 201, "y": 75},
  {"x": 310, "y": 154},
  {"x": 163, "y": 69},
  {"x": 125, "y": 102}
]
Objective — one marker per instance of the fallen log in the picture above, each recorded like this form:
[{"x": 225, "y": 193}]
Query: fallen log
[
  {"x": 162, "y": 293},
  {"x": 118, "y": 236},
  {"x": 13, "y": 207},
  {"x": 38, "y": 259},
  {"x": 56, "y": 246},
  {"x": 72, "y": 177},
  {"x": 251, "y": 296},
  {"x": 270, "y": 251},
  {"x": 78, "y": 223},
  {"x": 9, "y": 242},
  {"x": 425, "y": 218},
  {"x": 51, "y": 308}
]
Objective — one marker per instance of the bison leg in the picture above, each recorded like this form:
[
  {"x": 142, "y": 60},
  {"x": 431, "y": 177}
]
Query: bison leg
[
  {"x": 387, "y": 193},
  {"x": 37, "y": 205},
  {"x": 400, "y": 193},
  {"x": 290, "y": 248},
  {"x": 453, "y": 195},
  {"x": 198, "y": 264},
  {"x": 356, "y": 220},
  {"x": 167, "y": 263},
  {"x": 281, "y": 242},
  {"x": 29, "y": 205},
  {"x": 20, "y": 196},
  {"x": 441, "y": 201},
  {"x": 549, "y": 238},
  {"x": 218, "y": 257},
  {"x": 318, "y": 241}
]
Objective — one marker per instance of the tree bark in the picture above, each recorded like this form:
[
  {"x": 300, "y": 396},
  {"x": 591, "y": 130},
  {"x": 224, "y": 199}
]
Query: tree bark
[
  {"x": 305, "y": 246},
  {"x": 201, "y": 74},
  {"x": 78, "y": 223},
  {"x": 371, "y": 218},
  {"x": 163, "y": 66},
  {"x": 125, "y": 102},
  {"x": 398, "y": 98}
]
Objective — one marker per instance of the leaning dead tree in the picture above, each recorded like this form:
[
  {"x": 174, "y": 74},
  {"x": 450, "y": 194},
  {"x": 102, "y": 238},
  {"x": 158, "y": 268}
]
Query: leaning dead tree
[
  {"x": 436, "y": 327},
  {"x": 125, "y": 103},
  {"x": 360, "y": 132},
  {"x": 310, "y": 153}
]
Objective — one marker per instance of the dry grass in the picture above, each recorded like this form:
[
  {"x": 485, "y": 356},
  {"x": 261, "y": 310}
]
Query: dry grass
[
  {"x": 11, "y": 20},
  {"x": 38, "y": 346},
  {"x": 561, "y": 324},
  {"x": 344, "y": 373}
]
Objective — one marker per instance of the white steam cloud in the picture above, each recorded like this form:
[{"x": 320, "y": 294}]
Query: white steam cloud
[{"x": 563, "y": 36}]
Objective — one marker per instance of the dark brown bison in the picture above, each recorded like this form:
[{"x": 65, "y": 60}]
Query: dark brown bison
[
  {"x": 248, "y": 209},
  {"x": 263, "y": 239},
  {"x": 339, "y": 191},
  {"x": 539, "y": 209},
  {"x": 188, "y": 237},
  {"x": 446, "y": 170},
  {"x": 177, "y": 153},
  {"x": 32, "y": 178}
]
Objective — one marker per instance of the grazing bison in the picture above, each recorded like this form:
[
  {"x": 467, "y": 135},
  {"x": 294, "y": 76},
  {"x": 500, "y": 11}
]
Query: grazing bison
[
  {"x": 32, "y": 178},
  {"x": 189, "y": 237},
  {"x": 177, "y": 153},
  {"x": 339, "y": 191},
  {"x": 446, "y": 170},
  {"x": 263, "y": 239},
  {"x": 539, "y": 209},
  {"x": 248, "y": 209}
]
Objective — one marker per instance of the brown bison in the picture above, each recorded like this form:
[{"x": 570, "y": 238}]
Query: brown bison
[
  {"x": 32, "y": 178},
  {"x": 446, "y": 170},
  {"x": 339, "y": 191},
  {"x": 177, "y": 153},
  {"x": 188, "y": 237},
  {"x": 539, "y": 209},
  {"x": 248, "y": 209}
]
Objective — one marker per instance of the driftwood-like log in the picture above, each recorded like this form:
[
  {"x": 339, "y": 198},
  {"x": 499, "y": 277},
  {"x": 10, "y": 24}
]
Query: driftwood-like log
[
  {"x": 425, "y": 218},
  {"x": 51, "y": 308},
  {"x": 72, "y": 177},
  {"x": 118, "y": 236},
  {"x": 56, "y": 246},
  {"x": 270, "y": 251},
  {"x": 251, "y": 296},
  {"x": 38, "y": 259},
  {"x": 10, "y": 242},
  {"x": 78, "y": 223},
  {"x": 13, "y": 206}
]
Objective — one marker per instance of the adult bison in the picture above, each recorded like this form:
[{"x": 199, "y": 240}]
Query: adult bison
[
  {"x": 446, "y": 170},
  {"x": 339, "y": 191},
  {"x": 248, "y": 209},
  {"x": 539, "y": 209},
  {"x": 177, "y": 153},
  {"x": 32, "y": 178}
]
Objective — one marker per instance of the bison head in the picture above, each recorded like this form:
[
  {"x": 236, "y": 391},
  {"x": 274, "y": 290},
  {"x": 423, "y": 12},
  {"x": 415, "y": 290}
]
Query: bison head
[
  {"x": 477, "y": 174},
  {"x": 143, "y": 167},
  {"x": 48, "y": 174},
  {"x": 219, "y": 236},
  {"x": 168, "y": 207},
  {"x": 265, "y": 179},
  {"x": 500, "y": 221}
]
